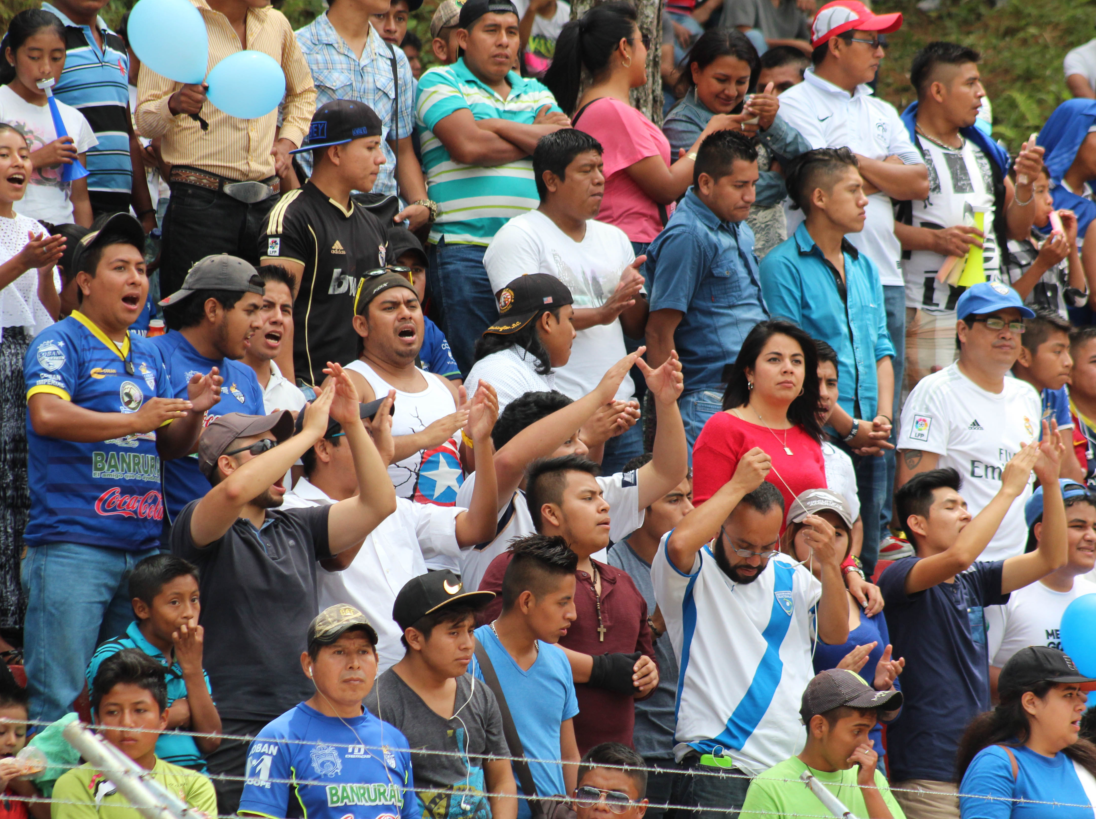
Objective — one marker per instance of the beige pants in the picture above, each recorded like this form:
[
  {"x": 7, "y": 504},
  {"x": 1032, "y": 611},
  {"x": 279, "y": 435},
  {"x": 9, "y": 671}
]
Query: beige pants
[
  {"x": 930, "y": 344},
  {"x": 927, "y": 799}
]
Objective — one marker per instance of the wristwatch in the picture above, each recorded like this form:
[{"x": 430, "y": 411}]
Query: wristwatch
[{"x": 431, "y": 205}]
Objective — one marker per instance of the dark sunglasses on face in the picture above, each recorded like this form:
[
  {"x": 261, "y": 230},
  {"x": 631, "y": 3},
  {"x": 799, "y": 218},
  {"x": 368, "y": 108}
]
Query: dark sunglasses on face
[
  {"x": 588, "y": 796},
  {"x": 257, "y": 448}
]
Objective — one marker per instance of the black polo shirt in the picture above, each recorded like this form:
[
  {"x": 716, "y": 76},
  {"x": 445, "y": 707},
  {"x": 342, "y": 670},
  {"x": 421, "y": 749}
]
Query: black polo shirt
[
  {"x": 336, "y": 247},
  {"x": 259, "y": 596}
]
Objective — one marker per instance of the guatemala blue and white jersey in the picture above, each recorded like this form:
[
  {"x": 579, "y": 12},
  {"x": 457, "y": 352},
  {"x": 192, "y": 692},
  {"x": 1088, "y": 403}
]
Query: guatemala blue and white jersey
[
  {"x": 99, "y": 494},
  {"x": 336, "y": 772},
  {"x": 183, "y": 481},
  {"x": 744, "y": 651}
]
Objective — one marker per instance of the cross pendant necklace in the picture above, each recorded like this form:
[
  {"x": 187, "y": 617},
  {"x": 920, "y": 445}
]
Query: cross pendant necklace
[{"x": 597, "y": 600}]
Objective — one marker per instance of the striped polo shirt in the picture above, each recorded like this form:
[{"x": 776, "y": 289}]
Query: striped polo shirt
[
  {"x": 473, "y": 201},
  {"x": 96, "y": 82}
]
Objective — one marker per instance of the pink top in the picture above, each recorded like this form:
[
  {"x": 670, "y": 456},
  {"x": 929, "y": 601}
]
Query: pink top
[
  {"x": 627, "y": 137},
  {"x": 725, "y": 438}
]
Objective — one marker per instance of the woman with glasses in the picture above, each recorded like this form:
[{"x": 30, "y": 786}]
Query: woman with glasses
[
  {"x": 769, "y": 403},
  {"x": 822, "y": 514},
  {"x": 1025, "y": 758},
  {"x": 641, "y": 179}
]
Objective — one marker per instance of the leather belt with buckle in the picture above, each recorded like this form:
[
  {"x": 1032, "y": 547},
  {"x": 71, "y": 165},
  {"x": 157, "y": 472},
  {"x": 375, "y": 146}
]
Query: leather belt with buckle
[{"x": 247, "y": 192}]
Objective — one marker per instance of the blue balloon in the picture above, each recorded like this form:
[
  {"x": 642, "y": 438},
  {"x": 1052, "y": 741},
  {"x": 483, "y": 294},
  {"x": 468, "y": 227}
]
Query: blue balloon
[
  {"x": 247, "y": 84},
  {"x": 169, "y": 36},
  {"x": 1079, "y": 635}
]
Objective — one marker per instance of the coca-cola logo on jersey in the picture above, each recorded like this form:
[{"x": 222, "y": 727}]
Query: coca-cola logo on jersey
[{"x": 149, "y": 506}]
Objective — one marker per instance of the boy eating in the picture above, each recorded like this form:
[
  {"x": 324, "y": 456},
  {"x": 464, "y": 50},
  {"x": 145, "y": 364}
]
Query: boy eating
[
  {"x": 164, "y": 592},
  {"x": 839, "y": 709}
]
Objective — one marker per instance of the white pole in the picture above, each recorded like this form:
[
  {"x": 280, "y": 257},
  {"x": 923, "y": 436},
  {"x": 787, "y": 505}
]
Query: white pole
[{"x": 829, "y": 801}]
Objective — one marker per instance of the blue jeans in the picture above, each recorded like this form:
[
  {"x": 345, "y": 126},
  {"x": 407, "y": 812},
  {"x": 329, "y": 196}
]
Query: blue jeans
[
  {"x": 871, "y": 477},
  {"x": 894, "y": 297},
  {"x": 77, "y": 597},
  {"x": 724, "y": 793},
  {"x": 669, "y": 785},
  {"x": 621, "y": 449},
  {"x": 696, "y": 408},
  {"x": 469, "y": 302}
]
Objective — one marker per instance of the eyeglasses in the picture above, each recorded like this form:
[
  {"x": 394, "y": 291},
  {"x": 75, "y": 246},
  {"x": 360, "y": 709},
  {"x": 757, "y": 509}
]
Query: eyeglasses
[
  {"x": 257, "y": 448},
  {"x": 764, "y": 554},
  {"x": 380, "y": 271},
  {"x": 998, "y": 324},
  {"x": 874, "y": 43},
  {"x": 587, "y": 797}
]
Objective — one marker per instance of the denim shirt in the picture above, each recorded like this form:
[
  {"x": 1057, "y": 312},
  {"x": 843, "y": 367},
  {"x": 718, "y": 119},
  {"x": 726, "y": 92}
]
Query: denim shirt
[
  {"x": 688, "y": 119},
  {"x": 800, "y": 284},
  {"x": 706, "y": 269}
]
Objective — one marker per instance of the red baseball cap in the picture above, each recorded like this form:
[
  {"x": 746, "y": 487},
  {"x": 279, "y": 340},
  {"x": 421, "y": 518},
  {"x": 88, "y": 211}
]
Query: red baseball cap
[{"x": 849, "y": 15}]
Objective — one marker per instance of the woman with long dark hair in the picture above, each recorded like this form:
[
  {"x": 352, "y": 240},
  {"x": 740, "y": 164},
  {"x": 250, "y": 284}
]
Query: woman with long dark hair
[
  {"x": 641, "y": 179},
  {"x": 1026, "y": 753},
  {"x": 719, "y": 71},
  {"x": 769, "y": 403}
]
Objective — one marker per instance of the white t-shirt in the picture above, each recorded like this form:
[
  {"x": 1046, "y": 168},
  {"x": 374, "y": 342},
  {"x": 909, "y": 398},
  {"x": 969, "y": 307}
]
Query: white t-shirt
[
  {"x": 734, "y": 691},
  {"x": 975, "y": 432},
  {"x": 414, "y": 538},
  {"x": 828, "y": 117},
  {"x": 958, "y": 181},
  {"x": 531, "y": 243},
  {"x": 512, "y": 372},
  {"x": 841, "y": 476},
  {"x": 1082, "y": 60},
  {"x": 47, "y": 197},
  {"x": 621, "y": 492},
  {"x": 1031, "y": 617}
]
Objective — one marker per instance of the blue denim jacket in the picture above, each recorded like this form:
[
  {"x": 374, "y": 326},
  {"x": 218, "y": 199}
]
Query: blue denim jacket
[
  {"x": 688, "y": 119},
  {"x": 799, "y": 285},
  {"x": 707, "y": 269}
]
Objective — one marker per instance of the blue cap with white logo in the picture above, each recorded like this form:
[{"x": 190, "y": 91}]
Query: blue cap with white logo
[
  {"x": 989, "y": 297},
  {"x": 1033, "y": 509}
]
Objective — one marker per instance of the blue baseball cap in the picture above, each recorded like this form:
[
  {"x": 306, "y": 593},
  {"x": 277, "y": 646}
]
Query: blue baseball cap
[
  {"x": 989, "y": 297},
  {"x": 1033, "y": 509}
]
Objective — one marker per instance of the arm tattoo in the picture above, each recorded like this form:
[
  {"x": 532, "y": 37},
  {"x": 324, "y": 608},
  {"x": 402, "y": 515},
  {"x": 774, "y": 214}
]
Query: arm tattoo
[{"x": 912, "y": 457}]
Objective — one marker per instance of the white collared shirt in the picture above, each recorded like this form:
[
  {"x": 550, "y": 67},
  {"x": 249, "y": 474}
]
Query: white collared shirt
[
  {"x": 830, "y": 117},
  {"x": 414, "y": 538},
  {"x": 281, "y": 394}
]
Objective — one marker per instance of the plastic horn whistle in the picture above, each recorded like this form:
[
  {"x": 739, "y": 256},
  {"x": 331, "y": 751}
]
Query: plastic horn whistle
[
  {"x": 974, "y": 271},
  {"x": 69, "y": 173},
  {"x": 1022, "y": 179},
  {"x": 1056, "y": 223}
]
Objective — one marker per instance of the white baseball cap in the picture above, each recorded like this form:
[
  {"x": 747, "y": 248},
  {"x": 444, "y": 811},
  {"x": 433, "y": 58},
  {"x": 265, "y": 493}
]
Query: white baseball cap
[{"x": 849, "y": 15}]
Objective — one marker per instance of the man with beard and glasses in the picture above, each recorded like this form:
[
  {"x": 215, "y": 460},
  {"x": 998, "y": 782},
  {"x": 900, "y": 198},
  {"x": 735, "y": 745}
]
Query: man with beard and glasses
[
  {"x": 258, "y": 563},
  {"x": 739, "y": 615}
]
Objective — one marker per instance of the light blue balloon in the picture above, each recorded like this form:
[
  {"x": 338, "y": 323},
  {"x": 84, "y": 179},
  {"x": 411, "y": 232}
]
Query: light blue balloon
[
  {"x": 169, "y": 36},
  {"x": 1078, "y": 634},
  {"x": 247, "y": 84}
]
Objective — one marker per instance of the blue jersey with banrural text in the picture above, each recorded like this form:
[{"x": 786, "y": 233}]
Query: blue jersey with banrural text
[
  {"x": 105, "y": 493},
  {"x": 359, "y": 768}
]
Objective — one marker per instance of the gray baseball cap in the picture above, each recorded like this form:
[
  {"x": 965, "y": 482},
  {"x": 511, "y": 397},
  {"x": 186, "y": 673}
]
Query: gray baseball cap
[
  {"x": 220, "y": 272},
  {"x": 224, "y": 429},
  {"x": 814, "y": 501},
  {"x": 836, "y": 687}
]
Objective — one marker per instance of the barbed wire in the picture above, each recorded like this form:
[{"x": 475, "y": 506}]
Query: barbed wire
[{"x": 726, "y": 773}]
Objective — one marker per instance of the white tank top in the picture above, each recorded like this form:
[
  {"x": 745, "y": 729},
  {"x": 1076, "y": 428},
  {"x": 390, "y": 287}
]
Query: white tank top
[{"x": 431, "y": 475}]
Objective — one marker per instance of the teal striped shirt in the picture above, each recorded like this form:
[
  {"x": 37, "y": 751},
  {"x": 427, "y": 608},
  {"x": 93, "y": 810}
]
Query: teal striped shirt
[{"x": 473, "y": 201}]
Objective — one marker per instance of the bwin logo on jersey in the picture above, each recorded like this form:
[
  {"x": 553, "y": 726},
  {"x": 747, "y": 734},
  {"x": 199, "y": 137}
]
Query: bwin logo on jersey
[
  {"x": 784, "y": 598},
  {"x": 325, "y": 760}
]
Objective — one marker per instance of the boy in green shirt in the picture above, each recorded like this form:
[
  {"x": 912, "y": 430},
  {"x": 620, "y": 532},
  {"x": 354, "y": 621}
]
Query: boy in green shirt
[
  {"x": 839, "y": 709},
  {"x": 129, "y": 692}
]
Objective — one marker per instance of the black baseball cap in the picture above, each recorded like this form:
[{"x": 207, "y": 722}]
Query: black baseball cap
[
  {"x": 401, "y": 241},
  {"x": 1030, "y": 666},
  {"x": 525, "y": 298},
  {"x": 475, "y": 9},
  {"x": 338, "y": 122},
  {"x": 367, "y": 411},
  {"x": 433, "y": 592},
  {"x": 119, "y": 225},
  {"x": 837, "y": 687}
]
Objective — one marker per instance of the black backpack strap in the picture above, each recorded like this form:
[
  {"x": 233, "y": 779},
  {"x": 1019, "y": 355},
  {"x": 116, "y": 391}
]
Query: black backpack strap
[{"x": 513, "y": 741}]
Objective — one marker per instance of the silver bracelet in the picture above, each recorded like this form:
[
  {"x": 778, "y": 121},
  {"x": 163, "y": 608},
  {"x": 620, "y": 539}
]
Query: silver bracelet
[{"x": 1016, "y": 200}]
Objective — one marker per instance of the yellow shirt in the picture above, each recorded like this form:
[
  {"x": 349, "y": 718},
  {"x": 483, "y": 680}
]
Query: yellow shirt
[
  {"x": 84, "y": 793},
  {"x": 234, "y": 148}
]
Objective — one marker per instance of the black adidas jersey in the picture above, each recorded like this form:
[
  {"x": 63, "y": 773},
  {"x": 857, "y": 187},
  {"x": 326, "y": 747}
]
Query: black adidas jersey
[{"x": 336, "y": 247}]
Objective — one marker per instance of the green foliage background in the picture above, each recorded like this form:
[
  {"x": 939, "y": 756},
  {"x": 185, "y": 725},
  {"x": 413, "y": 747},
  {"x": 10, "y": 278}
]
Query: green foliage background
[{"x": 1022, "y": 45}]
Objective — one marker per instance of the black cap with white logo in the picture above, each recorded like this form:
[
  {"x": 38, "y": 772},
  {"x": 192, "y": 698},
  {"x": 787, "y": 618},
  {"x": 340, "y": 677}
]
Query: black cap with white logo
[
  {"x": 1030, "y": 666},
  {"x": 837, "y": 687},
  {"x": 433, "y": 592}
]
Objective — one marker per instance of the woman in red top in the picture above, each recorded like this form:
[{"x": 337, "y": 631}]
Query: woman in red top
[{"x": 769, "y": 403}]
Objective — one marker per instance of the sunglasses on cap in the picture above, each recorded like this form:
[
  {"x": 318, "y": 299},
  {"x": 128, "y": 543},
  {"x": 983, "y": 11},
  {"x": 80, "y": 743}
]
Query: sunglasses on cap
[
  {"x": 587, "y": 796},
  {"x": 256, "y": 449},
  {"x": 380, "y": 271}
]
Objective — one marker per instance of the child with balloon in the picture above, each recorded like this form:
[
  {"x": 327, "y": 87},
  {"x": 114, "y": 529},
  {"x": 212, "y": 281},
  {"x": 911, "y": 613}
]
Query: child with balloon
[{"x": 33, "y": 53}]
